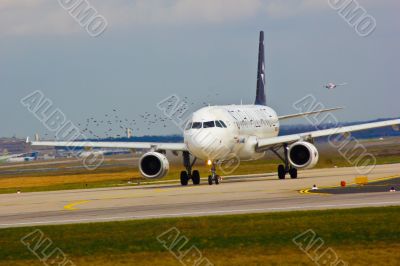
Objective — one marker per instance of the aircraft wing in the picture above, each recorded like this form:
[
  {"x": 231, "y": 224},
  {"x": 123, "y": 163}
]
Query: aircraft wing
[
  {"x": 5, "y": 157},
  {"x": 309, "y": 113},
  {"x": 265, "y": 143},
  {"x": 113, "y": 145}
]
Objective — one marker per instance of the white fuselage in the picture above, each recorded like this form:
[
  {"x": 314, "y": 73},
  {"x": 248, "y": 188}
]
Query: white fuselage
[{"x": 219, "y": 133}]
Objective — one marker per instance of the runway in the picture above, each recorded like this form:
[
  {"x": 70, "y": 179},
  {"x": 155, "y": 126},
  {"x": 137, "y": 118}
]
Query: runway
[{"x": 236, "y": 195}]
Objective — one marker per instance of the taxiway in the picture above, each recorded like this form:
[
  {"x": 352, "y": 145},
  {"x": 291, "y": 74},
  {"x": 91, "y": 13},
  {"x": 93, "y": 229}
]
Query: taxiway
[{"x": 236, "y": 195}]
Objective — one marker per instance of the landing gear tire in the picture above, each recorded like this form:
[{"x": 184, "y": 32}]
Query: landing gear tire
[
  {"x": 216, "y": 179},
  {"x": 196, "y": 177},
  {"x": 293, "y": 173},
  {"x": 189, "y": 174},
  {"x": 184, "y": 178},
  {"x": 213, "y": 179},
  {"x": 286, "y": 167},
  {"x": 210, "y": 180},
  {"x": 281, "y": 172}
]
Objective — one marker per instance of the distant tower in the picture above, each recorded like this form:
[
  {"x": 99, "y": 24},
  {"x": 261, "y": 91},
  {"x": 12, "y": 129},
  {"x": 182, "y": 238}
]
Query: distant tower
[{"x": 129, "y": 133}]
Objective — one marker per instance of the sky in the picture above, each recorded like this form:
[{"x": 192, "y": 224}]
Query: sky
[{"x": 203, "y": 50}]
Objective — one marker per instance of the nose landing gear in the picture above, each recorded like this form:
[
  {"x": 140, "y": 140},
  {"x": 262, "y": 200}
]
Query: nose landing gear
[{"x": 213, "y": 178}]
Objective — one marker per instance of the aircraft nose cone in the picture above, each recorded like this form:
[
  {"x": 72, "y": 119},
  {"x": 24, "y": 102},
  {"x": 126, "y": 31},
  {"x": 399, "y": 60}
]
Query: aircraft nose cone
[{"x": 207, "y": 145}]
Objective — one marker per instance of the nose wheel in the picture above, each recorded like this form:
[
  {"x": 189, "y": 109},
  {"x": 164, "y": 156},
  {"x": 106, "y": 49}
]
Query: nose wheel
[{"x": 213, "y": 178}]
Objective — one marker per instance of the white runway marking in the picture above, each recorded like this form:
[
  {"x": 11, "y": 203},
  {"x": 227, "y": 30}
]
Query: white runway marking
[
  {"x": 266, "y": 194},
  {"x": 205, "y": 213}
]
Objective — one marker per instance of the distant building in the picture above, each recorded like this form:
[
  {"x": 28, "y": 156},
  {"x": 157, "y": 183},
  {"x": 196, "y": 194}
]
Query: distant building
[
  {"x": 10, "y": 146},
  {"x": 13, "y": 145}
]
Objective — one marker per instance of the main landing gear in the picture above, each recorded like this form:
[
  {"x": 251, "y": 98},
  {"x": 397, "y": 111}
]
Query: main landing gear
[
  {"x": 286, "y": 168},
  {"x": 213, "y": 178},
  {"x": 189, "y": 174}
]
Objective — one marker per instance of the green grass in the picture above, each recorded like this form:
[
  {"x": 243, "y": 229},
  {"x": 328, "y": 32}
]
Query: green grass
[
  {"x": 67, "y": 186},
  {"x": 367, "y": 236}
]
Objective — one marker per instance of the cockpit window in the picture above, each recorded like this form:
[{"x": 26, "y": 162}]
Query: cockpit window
[
  {"x": 222, "y": 123},
  {"x": 208, "y": 124},
  {"x": 196, "y": 125},
  {"x": 218, "y": 124},
  {"x": 188, "y": 126}
]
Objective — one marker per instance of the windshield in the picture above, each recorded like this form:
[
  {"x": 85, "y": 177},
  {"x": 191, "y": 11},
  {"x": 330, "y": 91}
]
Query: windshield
[
  {"x": 188, "y": 126},
  {"x": 208, "y": 124},
  {"x": 196, "y": 125},
  {"x": 222, "y": 123}
]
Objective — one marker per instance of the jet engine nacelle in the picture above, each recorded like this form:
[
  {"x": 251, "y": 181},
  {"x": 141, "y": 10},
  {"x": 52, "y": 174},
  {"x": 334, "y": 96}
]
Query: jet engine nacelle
[
  {"x": 303, "y": 155},
  {"x": 153, "y": 165}
]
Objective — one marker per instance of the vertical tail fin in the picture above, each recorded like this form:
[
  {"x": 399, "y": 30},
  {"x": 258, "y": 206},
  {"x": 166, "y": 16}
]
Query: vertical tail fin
[{"x": 260, "y": 96}]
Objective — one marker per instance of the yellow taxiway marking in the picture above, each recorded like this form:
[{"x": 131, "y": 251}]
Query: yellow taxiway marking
[
  {"x": 307, "y": 191},
  {"x": 71, "y": 206}
]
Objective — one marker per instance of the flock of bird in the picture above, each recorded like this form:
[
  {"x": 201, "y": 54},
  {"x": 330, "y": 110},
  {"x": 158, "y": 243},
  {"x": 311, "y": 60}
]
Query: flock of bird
[{"x": 114, "y": 125}]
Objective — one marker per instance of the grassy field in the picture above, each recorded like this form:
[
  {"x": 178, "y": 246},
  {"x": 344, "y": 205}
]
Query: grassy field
[
  {"x": 119, "y": 173},
  {"x": 368, "y": 236}
]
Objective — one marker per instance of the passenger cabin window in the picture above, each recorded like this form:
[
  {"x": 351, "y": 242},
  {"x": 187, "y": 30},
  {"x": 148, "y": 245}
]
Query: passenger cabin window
[
  {"x": 218, "y": 124},
  {"x": 196, "y": 125},
  {"x": 208, "y": 124},
  {"x": 188, "y": 126}
]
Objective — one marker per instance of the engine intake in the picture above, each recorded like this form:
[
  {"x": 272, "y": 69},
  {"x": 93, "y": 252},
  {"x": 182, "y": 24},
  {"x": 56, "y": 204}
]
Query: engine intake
[
  {"x": 303, "y": 155},
  {"x": 153, "y": 165}
]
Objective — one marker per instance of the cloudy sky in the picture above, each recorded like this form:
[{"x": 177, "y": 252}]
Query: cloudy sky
[{"x": 204, "y": 50}]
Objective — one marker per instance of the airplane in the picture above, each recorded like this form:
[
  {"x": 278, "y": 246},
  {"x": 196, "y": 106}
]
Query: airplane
[
  {"x": 332, "y": 85},
  {"x": 16, "y": 158},
  {"x": 218, "y": 134},
  {"x": 5, "y": 158}
]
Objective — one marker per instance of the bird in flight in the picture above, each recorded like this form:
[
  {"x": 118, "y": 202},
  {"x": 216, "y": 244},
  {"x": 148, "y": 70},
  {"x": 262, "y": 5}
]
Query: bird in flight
[{"x": 331, "y": 85}]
